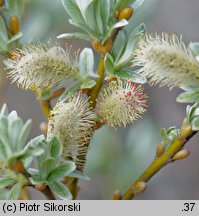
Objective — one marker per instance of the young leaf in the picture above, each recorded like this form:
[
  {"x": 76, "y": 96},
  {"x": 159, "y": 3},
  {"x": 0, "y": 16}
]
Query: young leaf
[
  {"x": 17, "y": 7},
  {"x": 68, "y": 92},
  {"x": 120, "y": 44},
  {"x": 137, "y": 4},
  {"x": 36, "y": 180},
  {"x": 130, "y": 75},
  {"x": 189, "y": 97},
  {"x": 46, "y": 167},
  {"x": 23, "y": 135},
  {"x": 55, "y": 148},
  {"x": 109, "y": 64},
  {"x": 61, "y": 171},
  {"x": 73, "y": 10},
  {"x": 79, "y": 175},
  {"x": 124, "y": 3},
  {"x": 86, "y": 62},
  {"x": 4, "y": 110},
  {"x": 3, "y": 154},
  {"x": 195, "y": 123},
  {"x": 88, "y": 84},
  {"x": 4, "y": 182},
  {"x": 15, "y": 37},
  {"x": 74, "y": 35},
  {"x": 194, "y": 47},
  {"x": 14, "y": 193},
  {"x": 3, "y": 35},
  {"x": 60, "y": 190}
]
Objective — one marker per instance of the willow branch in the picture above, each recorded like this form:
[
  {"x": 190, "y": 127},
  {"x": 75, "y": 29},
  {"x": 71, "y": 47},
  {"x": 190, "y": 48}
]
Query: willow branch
[{"x": 185, "y": 135}]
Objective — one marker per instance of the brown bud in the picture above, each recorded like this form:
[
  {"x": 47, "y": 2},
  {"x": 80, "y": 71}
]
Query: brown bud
[
  {"x": 40, "y": 187},
  {"x": 117, "y": 195},
  {"x": 181, "y": 155},
  {"x": 1, "y": 3},
  {"x": 186, "y": 130},
  {"x": 110, "y": 79},
  {"x": 160, "y": 150},
  {"x": 97, "y": 46},
  {"x": 19, "y": 167},
  {"x": 44, "y": 127},
  {"x": 57, "y": 93},
  {"x": 84, "y": 91},
  {"x": 140, "y": 187},
  {"x": 126, "y": 13},
  {"x": 116, "y": 14},
  {"x": 14, "y": 24},
  {"x": 108, "y": 45}
]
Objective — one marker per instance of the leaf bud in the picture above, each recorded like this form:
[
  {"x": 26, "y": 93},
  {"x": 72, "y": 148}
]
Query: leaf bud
[
  {"x": 116, "y": 15},
  {"x": 140, "y": 187},
  {"x": 186, "y": 130},
  {"x": 126, "y": 13},
  {"x": 40, "y": 187},
  {"x": 1, "y": 3},
  {"x": 160, "y": 150},
  {"x": 44, "y": 127},
  {"x": 108, "y": 45},
  {"x": 97, "y": 46},
  {"x": 117, "y": 195},
  {"x": 182, "y": 154},
  {"x": 14, "y": 24}
]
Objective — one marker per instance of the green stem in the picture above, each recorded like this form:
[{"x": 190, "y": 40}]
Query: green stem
[
  {"x": 160, "y": 162},
  {"x": 99, "y": 83}
]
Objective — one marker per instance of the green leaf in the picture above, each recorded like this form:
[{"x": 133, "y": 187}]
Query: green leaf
[
  {"x": 90, "y": 17},
  {"x": 74, "y": 35},
  {"x": 36, "y": 180},
  {"x": 4, "y": 111},
  {"x": 88, "y": 84},
  {"x": 55, "y": 148},
  {"x": 61, "y": 171},
  {"x": 189, "y": 97},
  {"x": 137, "y": 4},
  {"x": 130, "y": 47},
  {"x": 14, "y": 38},
  {"x": 3, "y": 35},
  {"x": 124, "y": 3},
  {"x": 60, "y": 190},
  {"x": 97, "y": 12},
  {"x": 23, "y": 135},
  {"x": 33, "y": 171},
  {"x": 86, "y": 62},
  {"x": 17, "y": 7},
  {"x": 194, "y": 47},
  {"x": 14, "y": 193},
  {"x": 68, "y": 93},
  {"x": 4, "y": 182},
  {"x": 130, "y": 75},
  {"x": 3, "y": 154},
  {"x": 119, "y": 24},
  {"x": 109, "y": 64},
  {"x": 79, "y": 175},
  {"x": 105, "y": 13},
  {"x": 120, "y": 44},
  {"x": 195, "y": 123},
  {"x": 14, "y": 130},
  {"x": 73, "y": 10},
  {"x": 46, "y": 167}
]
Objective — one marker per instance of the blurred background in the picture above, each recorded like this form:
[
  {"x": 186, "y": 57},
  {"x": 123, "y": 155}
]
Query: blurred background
[{"x": 118, "y": 157}]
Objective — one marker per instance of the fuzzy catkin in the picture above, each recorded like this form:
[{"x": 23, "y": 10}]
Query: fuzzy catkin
[
  {"x": 165, "y": 60},
  {"x": 41, "y": 65},
  {"x": 121, "y": 103},
  {"x": 72, "y": 122}
]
